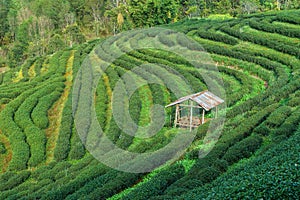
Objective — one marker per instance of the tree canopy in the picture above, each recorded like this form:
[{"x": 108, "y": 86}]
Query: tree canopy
[{"x": 28, "y": 27}]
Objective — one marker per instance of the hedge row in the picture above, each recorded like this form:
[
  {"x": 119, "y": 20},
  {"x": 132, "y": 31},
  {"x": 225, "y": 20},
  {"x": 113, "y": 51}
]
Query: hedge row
[
  {"x": 7, "y": 77},
  {"x": 157, "y": 184},
  {"x": 267, "y": 98},
  {"x": 120, "y": 182},
  {"x": 292, "y": 18},
  {"x": 62, "y": 146},
  {"x": 25, "y": 69},
  {"x": 271, "y": 28},
  {"x": 166, "y": 40},
  {"x": 292, "y": 50},
  {"x": 77, "y": 149},
  {"x": 102, "y": 101},
  {"x": 38, "y": 65},
  {"x": 271, "y": 175},
  {"x": 278, "y": 117},
  {"x": 92, "y": 185},
  {"x": 287, "y": 61},
  {"x": 288, "y": 127},
  {"x": 247, "y": 84},
  {"x": 35, "y": 137},
  {"x": 16, "y": 137},
  {"x": 37, "y": 142},
  {"x": 2, "y": 148},
  {"x": 39, "y": 114},
  {"x": 243, "y": 149},
  {"x": 39, "y": 86},
  {"x": 69, "y": 185},
  {"x": 156, "y": 57},
  {"x": 217, "y": 37},
  {"x": 13, "y": 180}
]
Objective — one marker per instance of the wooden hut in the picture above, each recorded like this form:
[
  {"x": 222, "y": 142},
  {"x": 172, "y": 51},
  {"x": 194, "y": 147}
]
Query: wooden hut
[{"x": 189, "y": 108}]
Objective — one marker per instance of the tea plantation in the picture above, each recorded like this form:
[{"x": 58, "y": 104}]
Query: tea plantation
[{"x": 256, "y": 157}]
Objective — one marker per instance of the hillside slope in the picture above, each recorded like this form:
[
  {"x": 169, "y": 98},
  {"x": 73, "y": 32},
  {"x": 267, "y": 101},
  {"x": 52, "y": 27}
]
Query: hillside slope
[{"x": 257, "y": 156}]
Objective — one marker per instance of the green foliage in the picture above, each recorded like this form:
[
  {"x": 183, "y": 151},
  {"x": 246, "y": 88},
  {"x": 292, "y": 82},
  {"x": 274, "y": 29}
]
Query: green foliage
[
  {"x": 63, "y": 142},
  {"x": 289, "y": 126},
  {"x": 260, "y": 177},
  {"x": 13, "y": 180},
  {"x": 217, "y": 37},
  {"x": 262, "y": 41},
  {"x": 1, "y": 78},
  {"x": 56, "y": 43},
  {"x": 243, "y": 149},
  {"x": 37, "y": 142},
  {"x": 289, "y": 17},
  {"x": 254, "y": 154},
  {"x": 40, "y": 112},
  {"x": 2, "y": 148},
  {"x": 77, "y": 150},
  {"x": 157, "y": 184},
  {"x": 262, "y": 129},
  {"x": 86, "y": 175},
  {"x": 280, "y": 29},
  {"x": 278, "y": 116}
]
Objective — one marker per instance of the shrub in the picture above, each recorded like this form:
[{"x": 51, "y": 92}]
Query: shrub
[
  {"x": 77, "y": 149},
  {"x": 20, "y": 151},
  {"x": 217, "y": 37},
  {"x": 39, "y": 114},
  {"x": 14, "y": 180},
  {"x": 292, "y": 50},
  {"x": 262, "y": 129},
  {"x": 270, "y": 175},
  {"x": 2, "y": 148},
  {"x": 62, "y": 147},
  {"x": 278, "y": 116},
  {"x": 62, "y": 191},
  {"x": 93, "y": 185},
  {"x": 113, "y": 186},
  {"x": 243, "y": 149},
  {"x": 157, "y": 184},
  {"x": 290, "y": 18},
  {"x": 37, "y": 142},
  {"x": 289, "y": 126},
  {"x": 294, "y": 102},
  {"x": 166, "y": 40},
  {"x": 280, "y": 29}
]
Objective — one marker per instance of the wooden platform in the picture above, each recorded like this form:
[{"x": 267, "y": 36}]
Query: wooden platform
[{"x": 184, "y": 122}]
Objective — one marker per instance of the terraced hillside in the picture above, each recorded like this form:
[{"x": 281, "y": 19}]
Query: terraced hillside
[{"x": 257, "y": 155}]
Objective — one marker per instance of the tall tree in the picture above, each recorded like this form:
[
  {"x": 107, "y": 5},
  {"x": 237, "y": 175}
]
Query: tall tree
[{"x": 4, "y": 25}]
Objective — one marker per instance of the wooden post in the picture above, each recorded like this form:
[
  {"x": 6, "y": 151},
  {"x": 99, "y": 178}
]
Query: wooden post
[
  {"x": 203, "y": 113},
  {"x": 191, "y": 115},
  {"x": 176, "y": 115},
  {"x": 216, "y": 112}
]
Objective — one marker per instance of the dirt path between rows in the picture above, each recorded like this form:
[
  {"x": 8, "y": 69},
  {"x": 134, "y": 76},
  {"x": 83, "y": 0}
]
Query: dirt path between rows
[
  {"x": 5, "y": 158},
  {"x": 55, "y": 113},
  {"x": 3, "y": 69}
]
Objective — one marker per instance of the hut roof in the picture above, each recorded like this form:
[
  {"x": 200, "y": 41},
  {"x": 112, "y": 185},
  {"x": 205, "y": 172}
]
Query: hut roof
[{"x": 205, "y": 99}]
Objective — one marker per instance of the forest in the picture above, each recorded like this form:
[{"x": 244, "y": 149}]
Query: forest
[{"x": 32, "y": 28}]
